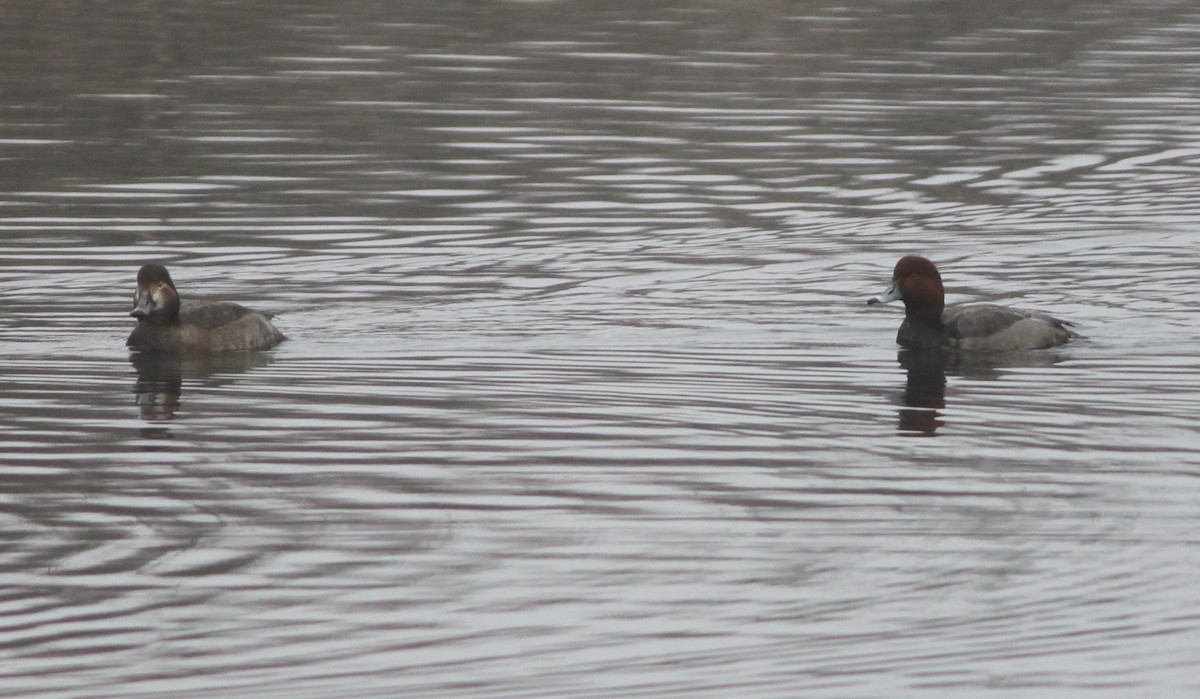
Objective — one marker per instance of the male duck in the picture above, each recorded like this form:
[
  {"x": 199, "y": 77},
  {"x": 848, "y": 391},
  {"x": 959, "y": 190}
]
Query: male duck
[{"x": 930, "y": 323}]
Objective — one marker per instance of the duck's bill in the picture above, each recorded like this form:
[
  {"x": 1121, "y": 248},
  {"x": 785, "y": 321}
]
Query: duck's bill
[
  {"x": 143, "y": 306},
  {"x": 892, "y": 294}
]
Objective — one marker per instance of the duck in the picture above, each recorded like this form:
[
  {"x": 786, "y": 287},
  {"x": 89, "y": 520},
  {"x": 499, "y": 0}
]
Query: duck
[
  {"x": 929, "y": 323},
  {"x": 167, "y": 324}
]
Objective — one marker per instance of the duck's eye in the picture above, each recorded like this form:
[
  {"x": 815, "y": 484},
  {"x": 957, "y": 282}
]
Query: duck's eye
[{"x": 161, "y": 285}]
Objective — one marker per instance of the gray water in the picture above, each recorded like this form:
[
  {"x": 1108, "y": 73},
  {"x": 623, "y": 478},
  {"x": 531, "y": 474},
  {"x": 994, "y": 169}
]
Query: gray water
[{"x": 582, "y": 397}]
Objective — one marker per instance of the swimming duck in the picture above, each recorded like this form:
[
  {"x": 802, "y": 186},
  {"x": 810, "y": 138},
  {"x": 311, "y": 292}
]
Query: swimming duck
[
  {"x": 929, "y": 322},
  {"x": 166, "y": 324}
]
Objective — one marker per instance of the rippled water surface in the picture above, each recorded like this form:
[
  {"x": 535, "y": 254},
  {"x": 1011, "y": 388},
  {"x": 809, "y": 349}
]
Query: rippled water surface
[{"x": 582, "y": 397}]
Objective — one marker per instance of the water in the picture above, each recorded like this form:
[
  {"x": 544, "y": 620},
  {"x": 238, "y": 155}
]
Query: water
[{"x": 582, "y": 397}]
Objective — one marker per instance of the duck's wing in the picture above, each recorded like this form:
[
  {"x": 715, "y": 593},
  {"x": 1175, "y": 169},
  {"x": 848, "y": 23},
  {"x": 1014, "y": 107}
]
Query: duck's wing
[
  {"x": 987, "y": 326},
  {"x": 979, "y": 320},
  {"x": 250, "y": 332},
  {"x": 211, "y": 315}
]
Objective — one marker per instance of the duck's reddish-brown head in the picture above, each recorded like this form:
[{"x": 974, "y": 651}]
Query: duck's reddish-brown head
[{"x": 916, "y": 282}]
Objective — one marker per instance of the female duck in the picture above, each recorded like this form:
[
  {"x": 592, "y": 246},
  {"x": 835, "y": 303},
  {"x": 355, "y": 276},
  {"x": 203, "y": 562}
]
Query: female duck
[
  {"x": 930, "y": 323},
  {"x": 167, "y": 325}
]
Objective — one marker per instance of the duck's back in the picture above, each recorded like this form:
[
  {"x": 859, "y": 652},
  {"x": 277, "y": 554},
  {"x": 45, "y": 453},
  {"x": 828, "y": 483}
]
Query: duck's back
[{"x": 991, "y": 327}]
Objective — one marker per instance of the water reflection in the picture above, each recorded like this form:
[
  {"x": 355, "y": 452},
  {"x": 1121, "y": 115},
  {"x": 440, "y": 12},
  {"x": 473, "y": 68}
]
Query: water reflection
[
  {"x": 160, "y": 376},
  {"x": 924, "y": 395}
]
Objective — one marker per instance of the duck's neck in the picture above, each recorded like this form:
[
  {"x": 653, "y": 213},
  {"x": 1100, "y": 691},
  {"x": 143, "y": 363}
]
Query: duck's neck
[
  {"x": 922, "y": 327},
  {"x": 926, "y": 321},
  {"x": 161, "y": 321},
  {"x": 166, "y": 315}
]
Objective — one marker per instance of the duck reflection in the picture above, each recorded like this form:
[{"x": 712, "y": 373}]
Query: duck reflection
[
  {"x": 923, "y": 399},
  {"x": 160, "y": 377},
  {"x": 924, "y": 394}
]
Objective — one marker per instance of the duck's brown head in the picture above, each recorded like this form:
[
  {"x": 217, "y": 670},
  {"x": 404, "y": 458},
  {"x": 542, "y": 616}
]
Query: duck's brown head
[
  {"x": 916, "y": 282},
  {"x": 155, "y": 300}
]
